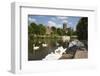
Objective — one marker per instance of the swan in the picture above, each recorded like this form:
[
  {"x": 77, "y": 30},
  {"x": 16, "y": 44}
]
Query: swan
[
  {"x": 60, "y": 50},
  {"x": 52, "y": 56},
  {"x": 44, "y": 45},
  {"x": 35, "y": 47},
  {"x": 56, "y": 55}
]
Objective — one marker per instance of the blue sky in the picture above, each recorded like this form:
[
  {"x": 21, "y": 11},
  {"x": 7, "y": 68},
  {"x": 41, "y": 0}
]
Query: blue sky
[{"x": 56, "y": 21}]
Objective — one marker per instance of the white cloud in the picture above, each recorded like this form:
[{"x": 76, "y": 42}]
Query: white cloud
[
  {"x": 32, "y": 20},
  {"x": 64, "y": 21},
  {"x": 62, "y": 18},
  {"x": 51, "y": 23}
]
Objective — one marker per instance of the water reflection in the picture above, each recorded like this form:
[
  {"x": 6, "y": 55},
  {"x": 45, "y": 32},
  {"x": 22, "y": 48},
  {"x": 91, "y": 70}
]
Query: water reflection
[
  {"x": 42, "y": 51},
  {"x": 40, "y": 48}
]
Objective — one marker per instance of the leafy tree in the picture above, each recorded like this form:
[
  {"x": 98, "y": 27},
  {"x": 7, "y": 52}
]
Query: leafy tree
[
  {"x": 36, "y": 29},
  {"x": 69, "y": 32},
  {"x": 54, "y": 30},
  {"x": 82, "y": 29},
  {"x": 42, "y": 29},
  {"x": 33, "y": 28},
  {"x": 74, "y": 33},
  {"x": 30, "y": 30},
  {"x": 60, "y": 31}
]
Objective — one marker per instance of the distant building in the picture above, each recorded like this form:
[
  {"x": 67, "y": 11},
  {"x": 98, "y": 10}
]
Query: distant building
[
  {"x": 65, "y": 27},
  {"x": 48, "y": 30}
]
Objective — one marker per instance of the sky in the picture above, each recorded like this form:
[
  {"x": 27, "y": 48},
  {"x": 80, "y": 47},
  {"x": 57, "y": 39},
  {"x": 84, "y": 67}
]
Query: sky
[{"x": 56, "y": 21}]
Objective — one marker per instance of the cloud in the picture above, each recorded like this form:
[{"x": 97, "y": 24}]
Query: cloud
[
  {"x": 31, "y": 19},
  {"x": 62, "y": 18},
  {"x": 64, "y": 21},
  {"x": 51, "y": 23}
]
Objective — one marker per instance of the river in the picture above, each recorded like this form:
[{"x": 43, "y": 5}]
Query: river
[{"x": 42, "y": 51}]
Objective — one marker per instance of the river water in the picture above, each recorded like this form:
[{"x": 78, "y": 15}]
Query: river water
[{"x": 41, "y": 52}]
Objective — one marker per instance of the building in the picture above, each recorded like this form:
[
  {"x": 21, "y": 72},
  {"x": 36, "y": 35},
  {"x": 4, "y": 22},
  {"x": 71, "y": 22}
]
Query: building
[
  {"x": 48, "y": 30},
  {"x": 65, "y": 27}
]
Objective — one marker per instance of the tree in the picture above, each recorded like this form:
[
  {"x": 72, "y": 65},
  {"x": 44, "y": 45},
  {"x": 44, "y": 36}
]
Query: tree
[
  {"x": 33, "y": 28},
  {"x": 69, "y": 33},
  {"x": 42, "y": 29},
  {"x": 82, "y": 29},
  {"x": 54, "y": 30},
  {"x": 60, "y": 31},
  {"x": 74, "y": 33},
  {"x": 30, "y": 30}
]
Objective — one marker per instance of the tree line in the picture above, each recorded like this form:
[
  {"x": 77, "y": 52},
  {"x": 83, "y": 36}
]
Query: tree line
[
  {"x": 40, "y": 29},
  {"x": 81, "y": 29}
]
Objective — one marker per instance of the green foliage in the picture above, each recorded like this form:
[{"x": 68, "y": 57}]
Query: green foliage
[
  {"x": 69, "y": 32},
  {"x": 82, "y": 29},
  {"x": 39, "y": 29},
  {"x": 32, "y": 28},
  {"x": 54, "y": 30},
  {"x": 42, "y": 29},
  {"x": 36, "y": 29},
  {"x": 60, "y": 31},
  {"x": 74, "y": 33}
]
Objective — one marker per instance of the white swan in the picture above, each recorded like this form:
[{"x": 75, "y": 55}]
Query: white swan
[
  {"x": 52, "y": 56},
  {"x": 60, "y": 50},
  {"x": 44, "y": 45},
  {"x": 56, "y": 55},
  {"x": 35, "y": 47}
]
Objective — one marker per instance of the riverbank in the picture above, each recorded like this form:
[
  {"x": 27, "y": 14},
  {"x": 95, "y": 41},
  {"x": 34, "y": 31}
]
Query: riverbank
[{"x": 78, "y": 55}]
